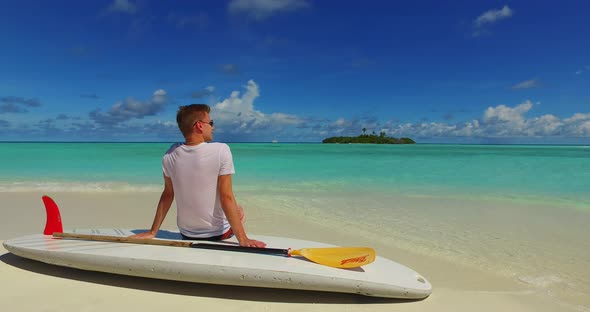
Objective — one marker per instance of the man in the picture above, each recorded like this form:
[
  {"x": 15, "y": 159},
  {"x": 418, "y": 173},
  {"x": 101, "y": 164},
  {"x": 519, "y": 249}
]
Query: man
[{"x": 199, "y": 175}]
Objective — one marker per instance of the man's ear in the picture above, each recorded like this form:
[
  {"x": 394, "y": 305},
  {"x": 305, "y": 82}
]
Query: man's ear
[{"x": 199, "y": 126}]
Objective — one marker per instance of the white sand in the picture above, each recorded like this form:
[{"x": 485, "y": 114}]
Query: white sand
[{"x": 27, "y": 285}]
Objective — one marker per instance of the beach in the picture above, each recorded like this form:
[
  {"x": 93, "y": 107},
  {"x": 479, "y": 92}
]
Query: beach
[
  {"x": 456, "y": 287},
  {"x": 492, "y": 227}
]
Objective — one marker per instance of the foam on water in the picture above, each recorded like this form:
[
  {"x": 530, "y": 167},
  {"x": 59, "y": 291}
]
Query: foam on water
[{"x": 49, "y": 187}]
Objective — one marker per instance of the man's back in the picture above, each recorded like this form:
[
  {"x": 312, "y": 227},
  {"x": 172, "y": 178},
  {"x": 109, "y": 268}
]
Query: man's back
[{"x": 194, "y": 171}]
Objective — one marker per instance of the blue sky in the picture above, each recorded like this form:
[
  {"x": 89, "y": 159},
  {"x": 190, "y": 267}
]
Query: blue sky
[{"x": 296, "y": 70}]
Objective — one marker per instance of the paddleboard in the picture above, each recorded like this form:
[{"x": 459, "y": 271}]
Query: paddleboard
[{"x": 382, "y": 278}]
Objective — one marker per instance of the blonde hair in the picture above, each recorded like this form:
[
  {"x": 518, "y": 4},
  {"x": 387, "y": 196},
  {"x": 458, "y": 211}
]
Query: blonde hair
[{"x": 187, "y": 116}]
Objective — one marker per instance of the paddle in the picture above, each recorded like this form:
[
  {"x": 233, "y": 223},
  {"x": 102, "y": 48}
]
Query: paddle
[{"x": 338, "y": 257}]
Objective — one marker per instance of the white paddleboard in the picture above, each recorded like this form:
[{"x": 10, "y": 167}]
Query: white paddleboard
[{"x": 382, "y": 278}]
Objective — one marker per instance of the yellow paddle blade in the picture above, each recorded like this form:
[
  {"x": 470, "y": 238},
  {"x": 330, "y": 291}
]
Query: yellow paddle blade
[{"x": 338, "y": 257}]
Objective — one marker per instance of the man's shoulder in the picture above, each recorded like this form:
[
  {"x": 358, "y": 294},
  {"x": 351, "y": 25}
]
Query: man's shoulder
[
  {"x": 173, "y": 147},
  {"x": 218, "y": 145}
]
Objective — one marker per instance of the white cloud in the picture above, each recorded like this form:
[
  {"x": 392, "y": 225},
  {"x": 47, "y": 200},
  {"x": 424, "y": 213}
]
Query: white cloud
[
  {"x": 578, "y": 117},
  {"x": 490, "y": 17},
  {"x": 207, "y": 91},
  {"x": 32, "y": 102},
  {"x": 17, "y": 104},
  {"x": 261, "y": 9},
  {"x": 582, "y": 70},
  {"x": 500, "y": 121},
  {"x": 502, "y": 113},
  {"x": 237, "y": 119},
  {"x": 230, "y": 69},
  {"x": 159, "y": 96},
  {"x": 527, "y": 84},
  {"x": 578, "y": 125},
  {"x": 237, "y": 114},
  {"x": 131, "y": 108},
  {"x": 123, "y": 6},
  {"x": 546, "y": 125}
]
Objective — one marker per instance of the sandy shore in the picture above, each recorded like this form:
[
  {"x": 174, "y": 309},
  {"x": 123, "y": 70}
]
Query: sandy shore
[{"x": 28, "y": 285}]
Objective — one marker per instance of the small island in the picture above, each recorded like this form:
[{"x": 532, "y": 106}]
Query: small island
[{"x": 370, "y": 139}]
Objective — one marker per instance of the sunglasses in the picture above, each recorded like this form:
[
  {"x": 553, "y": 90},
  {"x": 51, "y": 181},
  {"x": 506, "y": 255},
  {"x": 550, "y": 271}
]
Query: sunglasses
[{"x": 207, "y": 122}]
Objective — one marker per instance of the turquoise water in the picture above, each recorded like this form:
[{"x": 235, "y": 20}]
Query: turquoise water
[
  {"x": 518, "y": 211},
  {"x": 559, "y": 174}
]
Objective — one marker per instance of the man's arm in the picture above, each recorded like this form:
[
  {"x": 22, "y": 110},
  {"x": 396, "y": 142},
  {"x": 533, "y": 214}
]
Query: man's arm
[
  {"x": 163, "y": 206},
  {"x": 230, "y": 208}
]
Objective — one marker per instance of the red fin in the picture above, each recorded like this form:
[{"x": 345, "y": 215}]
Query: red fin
[{"x": 53, "y": 223}]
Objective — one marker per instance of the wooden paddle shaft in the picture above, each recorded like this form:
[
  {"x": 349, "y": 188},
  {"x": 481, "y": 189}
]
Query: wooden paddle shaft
[{"x": 124, "y": 239}]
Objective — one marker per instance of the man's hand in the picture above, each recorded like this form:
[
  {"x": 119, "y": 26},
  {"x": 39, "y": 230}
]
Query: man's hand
[
  {"x": 252, "y": 243},
  {"x": 144, "y": 235}
]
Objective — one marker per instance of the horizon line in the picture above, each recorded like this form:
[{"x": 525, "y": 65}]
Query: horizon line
[{"x": 294, "y": 142}]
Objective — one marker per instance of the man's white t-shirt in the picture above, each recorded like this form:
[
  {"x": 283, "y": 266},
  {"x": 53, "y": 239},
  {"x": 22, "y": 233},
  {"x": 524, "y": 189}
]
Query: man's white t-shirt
[{"x": 194, "y": 171}]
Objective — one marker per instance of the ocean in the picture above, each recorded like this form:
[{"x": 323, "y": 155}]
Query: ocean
[
  {"x": 517, "y": 210},
  {"x": 547, "y": 174}
]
